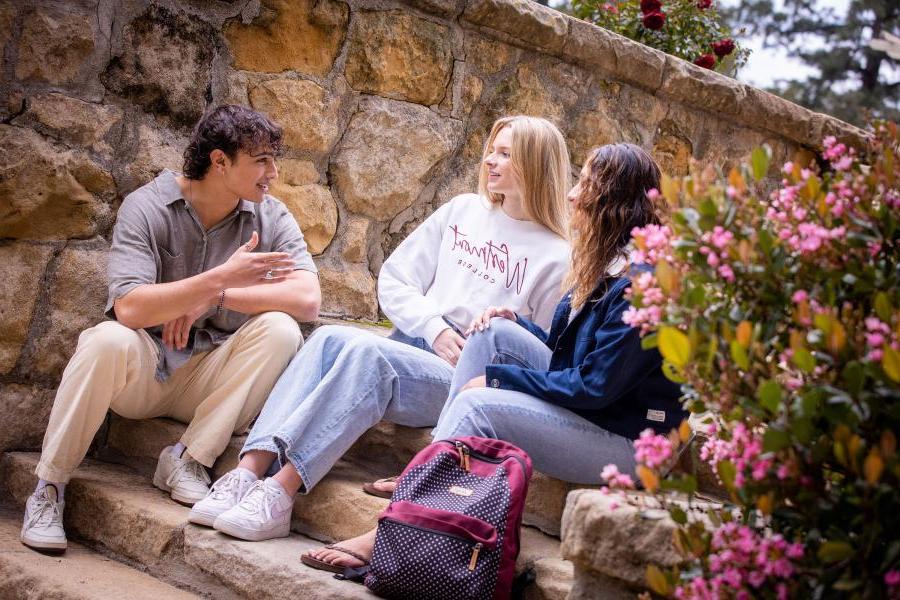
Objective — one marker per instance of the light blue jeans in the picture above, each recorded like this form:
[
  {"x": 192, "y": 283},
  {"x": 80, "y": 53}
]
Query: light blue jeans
[
  {"x": 342, "y": 382},
  {"x": 560, "y": 443}
]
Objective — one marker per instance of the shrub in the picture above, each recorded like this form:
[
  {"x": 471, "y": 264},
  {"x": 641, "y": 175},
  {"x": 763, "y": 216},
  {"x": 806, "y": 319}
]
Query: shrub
[
  {"x": 689, "y": 29},
  {"x": 780, "y": 315}
]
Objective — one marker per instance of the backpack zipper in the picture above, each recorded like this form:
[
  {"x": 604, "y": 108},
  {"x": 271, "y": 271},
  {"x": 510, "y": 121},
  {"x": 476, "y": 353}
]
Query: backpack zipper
[
  {"x": 474, "y": 558},
  {"x": 465, "y": 452}
]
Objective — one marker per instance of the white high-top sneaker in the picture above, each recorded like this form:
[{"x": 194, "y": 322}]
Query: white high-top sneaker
[
  {"x": 42, "y": 527},
  {"x": 184, "y": 478},
  {"x": 225, "y": 494},
  {"x": 263, "y": 513}
]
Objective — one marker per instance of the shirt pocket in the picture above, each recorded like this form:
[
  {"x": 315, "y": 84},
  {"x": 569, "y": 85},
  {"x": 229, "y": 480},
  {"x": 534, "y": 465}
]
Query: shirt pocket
[{"x": 171, "y": 267}]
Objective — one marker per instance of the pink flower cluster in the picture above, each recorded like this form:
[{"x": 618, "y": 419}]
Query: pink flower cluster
[
  {"x": 878, "y": 333},
  {"x": 791, "y": 216},
  {"x": 837, "y": 154},
  {"x": 652, "y": 450},
  {"x": 743, "y": 450},
  {"x": 652, "y": 244},
  {"x": 715, "y": 249},
  {"x": 616, "y": 480},
  {"x": 646, "y": 292},
  {"x": 743, "y": 560}
]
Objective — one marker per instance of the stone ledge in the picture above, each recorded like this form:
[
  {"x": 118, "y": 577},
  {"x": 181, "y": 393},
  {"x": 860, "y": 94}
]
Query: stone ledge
[
  {"x": 382, "y": 451},
  {"x": 81, "y": 575},
  {"x": 116, "y": 507},
  {"x": 623, "y": 59},
  {"x": 605, "y": 536},
  {"x": 524, "y": 20}
]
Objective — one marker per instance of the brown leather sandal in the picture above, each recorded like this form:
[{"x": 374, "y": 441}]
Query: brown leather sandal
[
  {"x": 315, "y": 563},
  {"x": 370, "y": 488}
]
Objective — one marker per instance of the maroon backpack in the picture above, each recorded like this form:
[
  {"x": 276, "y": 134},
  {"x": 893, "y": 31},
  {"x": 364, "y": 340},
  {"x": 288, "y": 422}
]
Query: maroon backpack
[{"x": 452, "y": 527}]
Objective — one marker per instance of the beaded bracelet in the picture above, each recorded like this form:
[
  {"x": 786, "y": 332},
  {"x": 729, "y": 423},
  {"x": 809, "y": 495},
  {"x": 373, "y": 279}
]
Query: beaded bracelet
[{"x": 221, "y": 303}]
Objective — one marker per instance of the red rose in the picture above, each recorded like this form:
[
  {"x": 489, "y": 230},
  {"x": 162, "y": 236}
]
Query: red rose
[
  {"x": 649, "y": 6},
  {"x": 723, "y": 47},
  {"x": 707, "y": 61},
  {"x": 612, "y": 8},
  {"x": 654, "y": 20},
  {"x": 704, "y": 4}
]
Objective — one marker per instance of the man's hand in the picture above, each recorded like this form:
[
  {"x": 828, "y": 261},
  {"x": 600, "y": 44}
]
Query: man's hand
[
  {"x": 245, "y": 267},
  {"x": 175, "y": 333},
  {"x": 475, "y": 382},
  {"x": 483, "y": 321},
  {"x": 448, "y": 344}
]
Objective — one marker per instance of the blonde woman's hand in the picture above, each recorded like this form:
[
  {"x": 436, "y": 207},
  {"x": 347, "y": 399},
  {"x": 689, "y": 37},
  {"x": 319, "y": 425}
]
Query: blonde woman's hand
[
  {"x": 483, "y": 321},
  {"x": 448, "y": 345}
]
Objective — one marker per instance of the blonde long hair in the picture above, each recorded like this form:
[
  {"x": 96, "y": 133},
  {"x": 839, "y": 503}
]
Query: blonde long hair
[
  {"x": 540, "y": 162},
  {"x": 610, "y": 199}
]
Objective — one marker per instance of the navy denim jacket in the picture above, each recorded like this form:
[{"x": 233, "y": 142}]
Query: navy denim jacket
[{"x": 598, "y": 369}]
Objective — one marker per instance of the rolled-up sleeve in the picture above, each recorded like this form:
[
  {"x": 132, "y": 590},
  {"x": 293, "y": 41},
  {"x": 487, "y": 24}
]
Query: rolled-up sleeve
[{"x": 132, "y": 261}]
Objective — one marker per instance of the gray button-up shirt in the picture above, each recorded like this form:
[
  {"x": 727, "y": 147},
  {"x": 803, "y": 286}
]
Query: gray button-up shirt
[{"x": 159, "y": 238}]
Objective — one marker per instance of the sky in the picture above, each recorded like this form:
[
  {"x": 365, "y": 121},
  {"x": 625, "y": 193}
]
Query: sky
[{"x": 759, "y": 70}]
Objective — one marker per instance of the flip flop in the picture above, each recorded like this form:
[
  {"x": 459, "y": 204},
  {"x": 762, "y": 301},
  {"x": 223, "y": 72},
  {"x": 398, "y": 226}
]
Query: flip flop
[
  {"x": 370, "y": 488},
  {"x": 315, "y": 563}
]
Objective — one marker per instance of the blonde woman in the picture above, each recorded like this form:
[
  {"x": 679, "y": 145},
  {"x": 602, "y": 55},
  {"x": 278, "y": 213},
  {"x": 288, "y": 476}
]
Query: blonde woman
[{"x": 505, "y": 245}]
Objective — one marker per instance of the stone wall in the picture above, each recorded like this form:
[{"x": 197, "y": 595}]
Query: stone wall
[{"x": 385, "y": 105}]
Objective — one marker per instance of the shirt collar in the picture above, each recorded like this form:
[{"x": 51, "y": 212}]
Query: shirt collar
[{"x": 170, "y": 191}]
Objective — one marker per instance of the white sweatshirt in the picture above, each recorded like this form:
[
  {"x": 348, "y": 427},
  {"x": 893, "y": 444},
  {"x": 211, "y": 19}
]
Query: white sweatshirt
[{"x": 466, "y": 256}]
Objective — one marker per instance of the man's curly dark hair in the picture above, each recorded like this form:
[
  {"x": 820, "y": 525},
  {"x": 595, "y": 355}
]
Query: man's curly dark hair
[{"x": 229, "y": 128}]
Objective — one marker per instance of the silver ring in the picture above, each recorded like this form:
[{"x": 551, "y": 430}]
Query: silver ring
[{"x": 269, "y": 275}]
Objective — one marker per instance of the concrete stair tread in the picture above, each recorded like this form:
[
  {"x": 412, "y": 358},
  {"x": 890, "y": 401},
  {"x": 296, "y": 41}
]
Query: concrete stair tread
[
  {"x": 116, "y": 507},
  {"x": 383, "y": 450},
  {"x": 79, "y": 574}
]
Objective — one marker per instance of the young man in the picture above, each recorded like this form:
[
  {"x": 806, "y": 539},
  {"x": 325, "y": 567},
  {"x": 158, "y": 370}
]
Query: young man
[{"x": 208, "y": 276}]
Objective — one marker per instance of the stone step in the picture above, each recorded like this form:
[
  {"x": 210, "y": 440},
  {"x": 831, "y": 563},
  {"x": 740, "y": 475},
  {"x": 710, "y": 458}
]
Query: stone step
[
  {"x": 80, "y": 574},
  {"x": 117, "y": 508},
  {"x": 383, "y": 450}
]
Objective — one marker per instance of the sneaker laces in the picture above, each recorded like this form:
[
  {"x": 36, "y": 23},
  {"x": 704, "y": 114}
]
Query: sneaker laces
[
  {"x": 42, "y": 516},
  {"x": 189, "y": 469},
  {"x": 259, "y": 499},
  {"x": 226, "y": 486}
]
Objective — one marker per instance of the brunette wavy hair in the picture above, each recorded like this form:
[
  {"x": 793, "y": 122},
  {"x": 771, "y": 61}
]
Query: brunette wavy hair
[
  {"x": 609, "y": 200},
  {"x": 229, "y": 128}
]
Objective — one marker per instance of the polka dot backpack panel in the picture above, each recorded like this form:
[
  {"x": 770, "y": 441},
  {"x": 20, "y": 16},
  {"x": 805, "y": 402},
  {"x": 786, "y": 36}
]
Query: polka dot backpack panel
[{"x": 452, "y": 528}]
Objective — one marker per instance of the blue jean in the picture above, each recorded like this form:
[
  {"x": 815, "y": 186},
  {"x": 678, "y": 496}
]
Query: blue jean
[
  {"x": 560, "y": 443},
  {"x": 342, "y": 382}
]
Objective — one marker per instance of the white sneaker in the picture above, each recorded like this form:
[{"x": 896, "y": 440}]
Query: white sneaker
[
  {"x": 262, "y": 514},
  {"x": 42, "y": 528},
  {"x": 225, "y": 494},
  {"x": 184, "y": 478}
]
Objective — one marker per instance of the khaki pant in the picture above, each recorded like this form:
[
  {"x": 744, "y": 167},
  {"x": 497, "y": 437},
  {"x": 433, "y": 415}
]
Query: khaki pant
[{"x": 218, "y": 392}]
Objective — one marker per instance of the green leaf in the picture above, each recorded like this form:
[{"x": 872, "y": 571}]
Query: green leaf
[
  {"x": 804, "y": 360},
  {"x": 708, "y": 208},
  {"x": 759, "y": 160},
  {"x": 674, "y": 346},
  {"x": 648, "y": 342},
  {"x": 854, "y": 376},
  {"x": 832, "y": 552},
  {"x": 775, "y": 439},
  {"x": 739, "y": 355},
  {"x": 890, "y": 362},
  {"x": 672, "y": 372},
  {"x": 657, "y": 582},
  {"x": 883, "y": 307},
  {"x": 678, "y": 515},
  {"x": 766, "y": 241},
  {"x": 727, "y": 472},
  {"x": 769, "y": 395}
]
